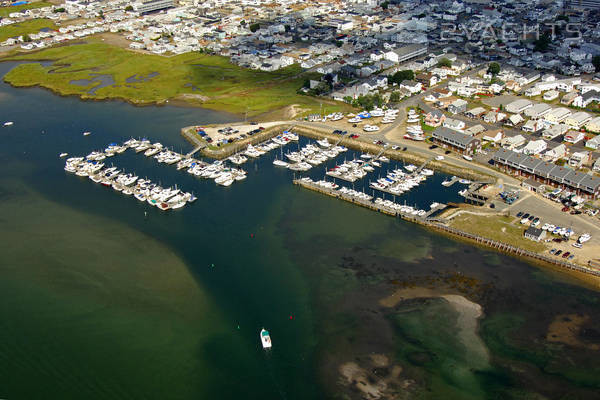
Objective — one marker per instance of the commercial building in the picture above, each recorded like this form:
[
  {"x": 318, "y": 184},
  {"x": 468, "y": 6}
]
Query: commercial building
[
  {"x": 406, "y": 53},
  {"x": 152, "y": 5},
  {"x": 584, "y": 185},
  {"x": 518, "y": 106}
]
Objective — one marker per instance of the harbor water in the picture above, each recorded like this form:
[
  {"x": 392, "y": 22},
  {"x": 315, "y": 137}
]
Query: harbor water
[{"x": 106, "y": 297}]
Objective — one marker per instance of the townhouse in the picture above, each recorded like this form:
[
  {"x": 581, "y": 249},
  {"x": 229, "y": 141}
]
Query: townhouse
[
  {"x": 584, "y": 185},
  {"x": 459, "y": 142}
]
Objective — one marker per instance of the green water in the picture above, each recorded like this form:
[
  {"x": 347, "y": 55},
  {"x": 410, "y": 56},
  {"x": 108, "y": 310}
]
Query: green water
[{"x": 102, "y": 297}]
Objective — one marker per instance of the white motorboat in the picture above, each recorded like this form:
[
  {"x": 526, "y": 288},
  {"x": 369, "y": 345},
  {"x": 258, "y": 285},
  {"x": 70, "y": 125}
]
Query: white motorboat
[
  {"x": 87, "y": 133},
  {"x": 8, "y": 123},
  {"x": 280, "y": 163},
  {"x": 61, "y": 155},
  {"x": 265, "y": 339}
]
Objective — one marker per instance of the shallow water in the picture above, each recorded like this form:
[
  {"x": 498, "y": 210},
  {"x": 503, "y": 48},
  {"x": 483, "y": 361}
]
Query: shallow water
[{"x": 100, "y": 300}]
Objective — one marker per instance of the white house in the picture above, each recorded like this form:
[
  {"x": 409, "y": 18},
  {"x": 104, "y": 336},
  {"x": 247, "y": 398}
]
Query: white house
[
  {"x": 555, "y": 153},
  {"x": 574, "y": 137},
  {"x": 535, "y": 147},
  {"x": 593, "y": 143}
]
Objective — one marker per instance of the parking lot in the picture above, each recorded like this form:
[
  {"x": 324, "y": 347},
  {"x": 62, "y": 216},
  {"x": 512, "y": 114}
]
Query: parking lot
[{"x": 550, "y": 212}]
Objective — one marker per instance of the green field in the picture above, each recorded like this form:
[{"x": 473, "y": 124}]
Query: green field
[
  {"x": 24, "y": 28},
  {"x": 497, "y": 228},
  {"x": 5, "y": 11},
  {"x": 211, "y": 81}
]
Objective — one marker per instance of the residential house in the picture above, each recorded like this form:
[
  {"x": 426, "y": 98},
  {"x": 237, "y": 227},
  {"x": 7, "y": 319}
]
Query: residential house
[
  {"x": 593, "y": 125},
  {"x": 512, "y": 142},
  {"x": 577, "y": 120},
  {"x": 593, "y": 143},
  {"x": 514, "y": 120},
  {"x": 555, "y": 153},
  {"x": 454, "y": 124},
  {"x": 405, "y": 53},
  {"x": 434, "y": 118},
  {"x": 557, "y": 115},
  {"x": 412, "y": 86},
  {"x": 555, "y": 131},
  {"x": 537, "y": 111},
  {"x": 427, "y": 79},
  {"x": 518, "y": 106},
  {"x": 579, "y": 159},
  {"x": 568, "y": 98},
  {"x": 457, "y": 141},
  {"x": 476, "y": 112},
  {"x": 535, "y": 147},
  {"x": 491, "y": 117},
  {"x": 474, "y": 130},
  {"x": 458, "y": 106},
  {"x": 574, "y": 137},
  {"x": 493, "y": 136},
  {"x": 596, "y": 167},
  {"x": 535, "y": 234},
  {"x": 587, "y": 98},
  {"x": 532, "y": 126},
  {"x": 550, "y": 95}
]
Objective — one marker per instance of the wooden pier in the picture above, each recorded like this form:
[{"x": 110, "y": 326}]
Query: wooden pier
[{"x": 438, "y": 226}]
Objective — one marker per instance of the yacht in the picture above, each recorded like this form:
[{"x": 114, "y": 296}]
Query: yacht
[
  {"x": 370, "y": 128},
  {"x": 61, "y": 155},
  {"x": 265, "y": 339},
  {"x": 280, "y": 163},
  {"x": 416, "y": 136},
  {"x": 584, "y": 238},
  {"x": 324, "y": 143},
  {"x": 8, "y": 123}
]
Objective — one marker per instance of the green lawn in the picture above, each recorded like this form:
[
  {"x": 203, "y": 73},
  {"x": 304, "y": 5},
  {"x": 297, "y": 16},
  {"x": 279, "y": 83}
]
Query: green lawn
[
  {"x": 218, "y": 84},
  {"x": 5, "y": 11},
  {"x": 26, "y": 27},
  {"x": 498, "y": 228}
]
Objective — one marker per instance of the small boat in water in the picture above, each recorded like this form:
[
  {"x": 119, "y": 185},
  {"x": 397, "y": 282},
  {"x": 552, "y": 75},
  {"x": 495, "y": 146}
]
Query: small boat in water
[
  {"x": 265, "y": 339},
  {"x": 8, "y": 123},
  {"x": 61, "y": 155},
  {"x": 87, "y": 133}
]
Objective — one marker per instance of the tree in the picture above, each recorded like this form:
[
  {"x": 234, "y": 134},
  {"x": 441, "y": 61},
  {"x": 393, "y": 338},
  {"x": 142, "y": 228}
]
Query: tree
[
  {"x": 254, "y": 27},
  {"x": 395, "y": 97},
  {"x": 26, "y": 38},
  {"x": 243, "y": 22},
  {"x": 542, "y": 43},
  {"x": 494, "y": 68},
  {"x": 339, "y": 43},
  {"x": 444, "y": 62},
  {"x": 596, "y": 62},
  {"x": 404, "y": 75},
  {"x": 129, "y": 8},
  {"x": 59, "y": 10},
  {"x": 384, "y": 5}
]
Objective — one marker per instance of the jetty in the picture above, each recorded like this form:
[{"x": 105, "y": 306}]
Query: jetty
[{"x": 197, "y": 149}]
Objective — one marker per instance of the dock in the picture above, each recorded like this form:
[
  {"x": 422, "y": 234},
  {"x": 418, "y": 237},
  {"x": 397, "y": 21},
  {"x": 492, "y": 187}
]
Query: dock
[
  {"x": 197, "y": 149},
  {"x": 472, "y": 195},
  {"x": 452, "y": 181}
]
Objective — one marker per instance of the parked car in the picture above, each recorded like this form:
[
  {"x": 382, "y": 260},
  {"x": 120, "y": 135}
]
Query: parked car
[
  {"x": 519, "y": 214},
  {"x": 535, "y": 222},
  {"x": 565, "y": 209},
  {"x": 558, "y": 253},
  {"x": 571, "y": 256},
  {"x": 553, "y": 251},
  {"x": 526, "y": 215},
  {"x": 567, "y": 254}
]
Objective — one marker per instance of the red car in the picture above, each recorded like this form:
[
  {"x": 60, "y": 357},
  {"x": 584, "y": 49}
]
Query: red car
[
  {"x": 354, "y": 136},
  {"x": 565, "y": 209},
  {"x": 567, "y": 254}
]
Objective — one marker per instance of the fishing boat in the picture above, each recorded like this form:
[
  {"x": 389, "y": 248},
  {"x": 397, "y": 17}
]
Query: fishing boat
[{"x": 265, "y": 339}]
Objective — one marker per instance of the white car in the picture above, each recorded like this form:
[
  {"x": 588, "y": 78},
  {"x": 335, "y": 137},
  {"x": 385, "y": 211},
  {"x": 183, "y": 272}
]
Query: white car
[
  {"x": 524, "y": 221},
  {"x": 439, "y": 158},
  {"x": 545, "y": 226},
  {"x": 535, "y": 223}
]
